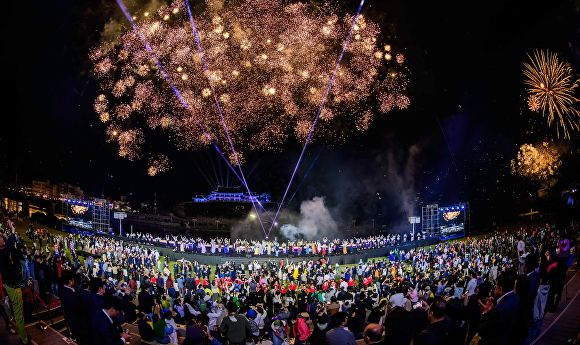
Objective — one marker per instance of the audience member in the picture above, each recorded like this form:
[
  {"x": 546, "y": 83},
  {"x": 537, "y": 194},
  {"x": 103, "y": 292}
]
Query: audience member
[{"x": 106, "y": 327}]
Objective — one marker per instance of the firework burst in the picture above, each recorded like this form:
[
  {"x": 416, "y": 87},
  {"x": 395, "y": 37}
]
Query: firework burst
[
  {"x": 537, "y": 162},
  {"x": 269, "y": 63},
  {"x": 158, "y": 164},
  {"x": 551, "y": 88}
]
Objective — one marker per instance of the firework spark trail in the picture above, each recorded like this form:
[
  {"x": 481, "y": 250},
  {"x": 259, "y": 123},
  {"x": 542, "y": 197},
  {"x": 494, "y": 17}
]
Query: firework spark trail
[
  {"x": 219, "y": 109},
  {"x": 309, "y": 137},
  {"x": 175, "y": 90}
]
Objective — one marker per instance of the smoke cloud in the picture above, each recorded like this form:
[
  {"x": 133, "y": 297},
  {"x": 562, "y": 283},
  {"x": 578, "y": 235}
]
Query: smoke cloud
[{"x": 315, "y": 221}]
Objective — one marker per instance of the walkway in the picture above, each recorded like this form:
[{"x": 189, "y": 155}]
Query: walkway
[{"x": 563, "y": 326}]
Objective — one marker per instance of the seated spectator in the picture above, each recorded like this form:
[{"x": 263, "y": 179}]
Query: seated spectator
[
  {"x": 194, "y": 334},
  {"x": 170, "y": 323},
  {"x": 334, "y": 306},
  {"x": 145, "y": 329},
  {"x": 179, "y": 309},
  {"x": 161, "y": 330}
]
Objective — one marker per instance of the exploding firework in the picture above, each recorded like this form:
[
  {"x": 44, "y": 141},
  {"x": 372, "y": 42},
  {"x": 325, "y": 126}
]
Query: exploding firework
[
  {"x": 537, "y": 162},
  {"x": 269, "y": 63},
  {"x": 551, "y": 88},
  {"x": 158, "y": 164}
]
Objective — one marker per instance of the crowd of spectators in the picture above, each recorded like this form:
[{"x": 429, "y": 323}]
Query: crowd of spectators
[{"x": 494, "y": 289}]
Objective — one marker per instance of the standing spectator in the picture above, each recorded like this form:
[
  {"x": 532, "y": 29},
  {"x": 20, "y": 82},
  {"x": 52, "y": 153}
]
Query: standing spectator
[
  {"x": 521, "y": 246},
  {"x": 278, "y": 332},
  {"x": 106, "y": 327},
  {"x": 373, "y": 334},
  {"x": 300, "y": 329},
  {"x": 73, "y": 308},
  {"x": 377, "y": 313},
  {"x": 440, "y": 326},
  {"x": 400, "y": 325},
  {"x": 160, "y": 284},
  {"x": 353, "y": 324},
  {"x": 169, "y": 282},
  {"x": 5, "y": 311},
  {"x": 30, "y": 266},
  {"x": 39, "y": 271},
  {"x": 22, "y": 259},
  {"x": 496, "y": 323},
  {"x": 321, "y": 326},
  {"x": 96, "y": 299},
  {"x": 398, "y": 298},
  {"x": 145, "y": 299},
  {"x": 413, "y": 294},
  {"x": 234, "y": 325},
  {"x": 180, "y": 284},
  {"x": 338, "y": 335},
  {"x": 11, "y": 280},
  {"x": 472, "y": 284},
  {"x": 173, "y": 294},
  {"x": 539, "y": 310}
]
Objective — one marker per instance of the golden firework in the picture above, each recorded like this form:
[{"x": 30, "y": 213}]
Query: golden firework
[
  {"x": 269, "y": 64},
  {"x": 551, "y": 88},
  {"x": 158, "y": 164},
  {"x": 537, "y": 162}
]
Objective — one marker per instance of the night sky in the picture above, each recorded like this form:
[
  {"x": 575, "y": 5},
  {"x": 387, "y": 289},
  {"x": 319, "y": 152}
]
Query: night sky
[{"x": 466, "y": 121}]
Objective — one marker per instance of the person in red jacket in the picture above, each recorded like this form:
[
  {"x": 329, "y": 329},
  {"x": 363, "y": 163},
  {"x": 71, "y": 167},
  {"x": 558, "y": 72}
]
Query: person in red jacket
[
  {"x": 169, "y": 282},
  {"x": 300, "y": 329}
]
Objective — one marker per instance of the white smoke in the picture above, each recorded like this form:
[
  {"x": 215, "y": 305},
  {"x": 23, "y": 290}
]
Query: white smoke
[
  {"x": 315, "y": 221},
  {"x": 290, "y": 231}
]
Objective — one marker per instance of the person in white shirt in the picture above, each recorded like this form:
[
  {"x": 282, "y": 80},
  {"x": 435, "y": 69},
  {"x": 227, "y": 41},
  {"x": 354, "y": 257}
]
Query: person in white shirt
[
  {"x": 398, "y": 299},
  {"x": 472, "y": 284}
]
